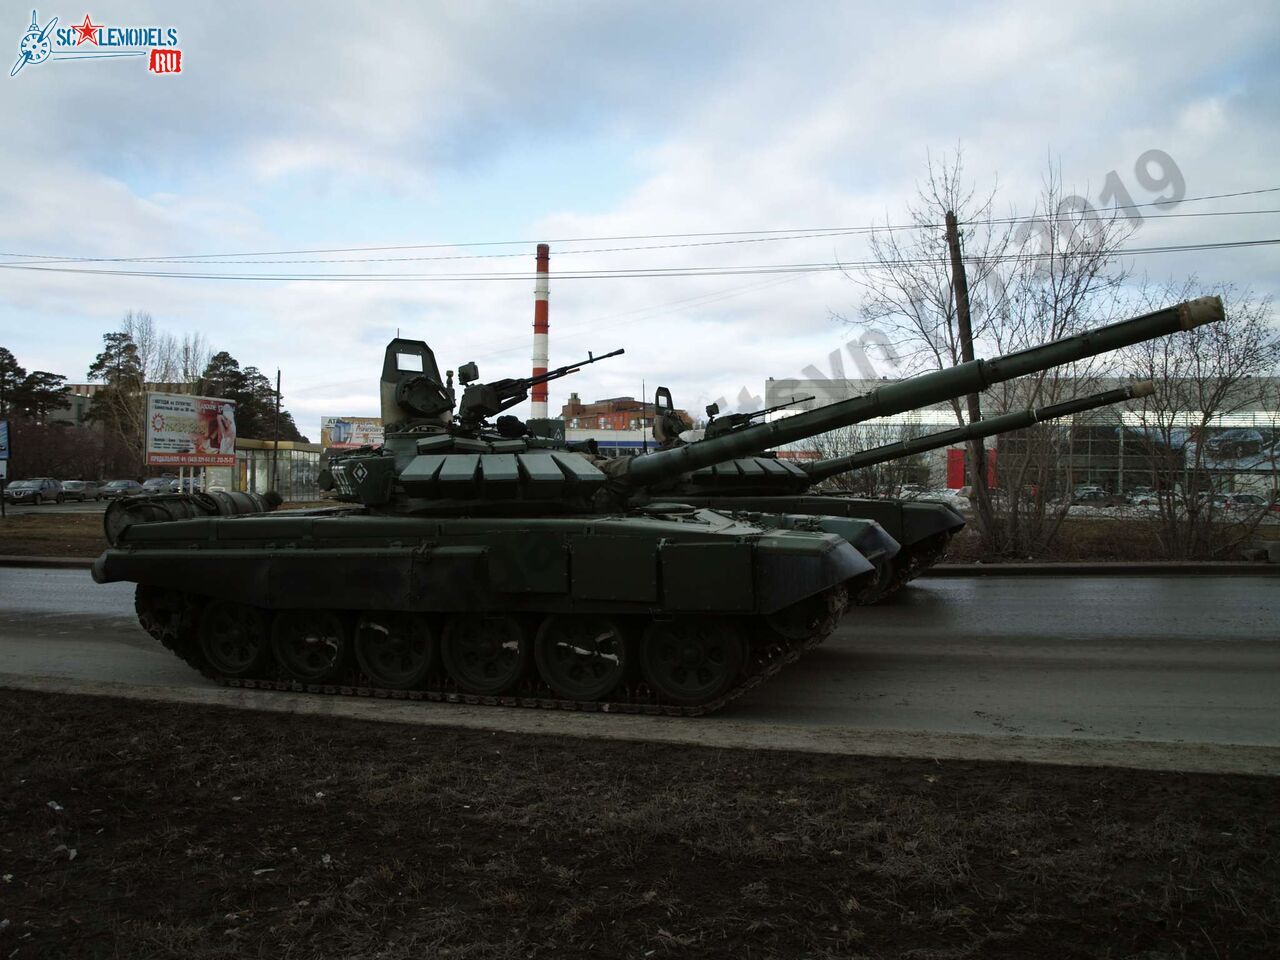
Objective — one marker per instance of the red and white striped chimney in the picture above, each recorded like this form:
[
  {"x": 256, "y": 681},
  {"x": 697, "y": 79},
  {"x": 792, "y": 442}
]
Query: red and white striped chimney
[{"x": 541, "y": 290}]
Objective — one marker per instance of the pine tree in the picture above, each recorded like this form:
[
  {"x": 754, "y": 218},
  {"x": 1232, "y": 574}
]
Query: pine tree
[
  {"x": 120, "y": 404},
  {"x": 11, "y": 377},
  {"x": 39, "y": 391}
]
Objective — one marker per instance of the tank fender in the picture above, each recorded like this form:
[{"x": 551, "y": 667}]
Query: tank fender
[{"x": 790, "y": 569}]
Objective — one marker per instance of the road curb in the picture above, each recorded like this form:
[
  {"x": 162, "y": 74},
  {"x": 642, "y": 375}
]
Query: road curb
[
  {"x": 1160, "y": 568},
  {"x": 715, "y": 731},
  {"x": 66, "y": 563}
]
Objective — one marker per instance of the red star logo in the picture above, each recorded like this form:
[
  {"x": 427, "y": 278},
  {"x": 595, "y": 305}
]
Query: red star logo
[{"x": 88, "y": 31}]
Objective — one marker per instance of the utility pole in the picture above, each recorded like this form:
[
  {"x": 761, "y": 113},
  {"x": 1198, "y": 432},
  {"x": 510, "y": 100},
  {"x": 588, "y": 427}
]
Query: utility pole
[
  {"x": 977, "y": 450},
  {"x": 275, "y": 452}
]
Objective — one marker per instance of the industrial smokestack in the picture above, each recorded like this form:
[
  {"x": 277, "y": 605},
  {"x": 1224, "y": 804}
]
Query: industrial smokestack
[{"x": 541, "y": 290}]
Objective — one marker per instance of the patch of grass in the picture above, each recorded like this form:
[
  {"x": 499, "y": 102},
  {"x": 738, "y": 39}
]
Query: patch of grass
[
  {"x": 1094, "y": 539},
  {"x": 203, "y": 833},
  {"x": 52, "y": 535}
]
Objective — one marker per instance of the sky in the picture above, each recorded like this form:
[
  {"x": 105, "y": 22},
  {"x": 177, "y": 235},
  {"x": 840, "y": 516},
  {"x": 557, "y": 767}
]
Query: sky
[{"x": 324, "y": 125}]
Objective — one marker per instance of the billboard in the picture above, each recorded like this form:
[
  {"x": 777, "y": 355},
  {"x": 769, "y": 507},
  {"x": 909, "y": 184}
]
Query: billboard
[
  {"x": 187, "y": 431},
  {"x": 347, "y": 433},
  {"x": 4, "y": 439}
]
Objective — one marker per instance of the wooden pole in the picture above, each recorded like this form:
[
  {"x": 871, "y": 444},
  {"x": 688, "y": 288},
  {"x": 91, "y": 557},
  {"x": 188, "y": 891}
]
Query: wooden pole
[
  {"x": 977, "y": 450},
  {"x": 275, "y": 452}
]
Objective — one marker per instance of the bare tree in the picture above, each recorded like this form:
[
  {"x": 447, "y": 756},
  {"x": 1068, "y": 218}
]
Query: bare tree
[
  {"x": 880, "y": 480},
  {"x": 194, "y": 354},
  {"x": 1208, "y": 381},
  {"x": 1061, "y": 275},
  {"x": 1031, "y": 280},
  {"x": 165, "y": 358},
  {"x": 155, "y": 348}
]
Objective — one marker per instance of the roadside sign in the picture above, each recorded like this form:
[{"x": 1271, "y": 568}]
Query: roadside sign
[
  {"x": 189, "y": 431},
  {"x": 4, "y": 461}
]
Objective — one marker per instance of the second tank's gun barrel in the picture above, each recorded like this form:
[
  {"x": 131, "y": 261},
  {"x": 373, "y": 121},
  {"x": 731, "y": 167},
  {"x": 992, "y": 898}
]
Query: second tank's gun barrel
[
  {"x": 989, "y": 427},
  {"x": 921, "y": 391}
]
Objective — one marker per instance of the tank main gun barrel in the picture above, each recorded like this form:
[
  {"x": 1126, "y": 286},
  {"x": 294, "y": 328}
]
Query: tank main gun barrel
[
  {"x": 1019, "y": 420},
  {"x": 921, "y": 391}
]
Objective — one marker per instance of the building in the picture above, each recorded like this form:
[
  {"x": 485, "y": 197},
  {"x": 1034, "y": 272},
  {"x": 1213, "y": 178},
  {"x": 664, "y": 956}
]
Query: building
[
  {"x": 296, "y": 469},
  {"x": 75, "y": 411},
  {"x": 618, "y": 425},
  {"x": 1116, "y": 447}
]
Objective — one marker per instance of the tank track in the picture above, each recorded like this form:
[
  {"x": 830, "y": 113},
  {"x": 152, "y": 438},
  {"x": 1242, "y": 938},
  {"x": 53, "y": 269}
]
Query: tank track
[
  {"x": 921, "y": 557},
  {"x": 175, "y": 629}
]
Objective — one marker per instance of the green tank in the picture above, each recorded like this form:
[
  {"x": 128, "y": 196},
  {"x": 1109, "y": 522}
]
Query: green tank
[
  {"x": 922, "y": 528},
  {"x": 475, "y": 562}
]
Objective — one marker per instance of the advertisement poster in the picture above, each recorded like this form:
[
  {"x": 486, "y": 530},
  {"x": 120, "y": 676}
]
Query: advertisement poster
[
  {"x": 348, "y": 433},
  {"x": 4, "y": 439},
  {"x": 187, "y": 431}
]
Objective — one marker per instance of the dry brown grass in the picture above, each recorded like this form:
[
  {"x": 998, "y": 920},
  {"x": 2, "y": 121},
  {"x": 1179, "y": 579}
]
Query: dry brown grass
[
  {"x": 204, "y": 833},
  {"x": 52, "y": 535},
  {"x": 1099, "y": 539}
]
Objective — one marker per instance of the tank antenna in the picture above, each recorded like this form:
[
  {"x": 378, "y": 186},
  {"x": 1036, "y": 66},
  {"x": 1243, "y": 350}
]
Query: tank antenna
[{"x": 644, "y": 403}]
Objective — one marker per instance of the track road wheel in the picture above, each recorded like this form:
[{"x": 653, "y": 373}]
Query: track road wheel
[
  {"x": 397, "y": 651},
  {"x": 692, "y": 660},
  {"x": 165, "y": 614},
  {"x": 582, "y": 656},
  {"x": 313, "y": 646},
  {"x": 233, "y": 639},
  {"x": 485, "y": 655}
]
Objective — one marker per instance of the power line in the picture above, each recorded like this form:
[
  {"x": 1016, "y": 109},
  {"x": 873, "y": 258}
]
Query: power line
[
  {"x": 616, "y": 273},
  {"x": 595, "y": 323},
  {"x": 852, "y": 231},
  {"x": 746, "y": 236}
]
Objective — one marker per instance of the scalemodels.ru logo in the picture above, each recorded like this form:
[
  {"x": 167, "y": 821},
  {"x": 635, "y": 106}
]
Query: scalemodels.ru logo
[{"x": 99, "y": 41}]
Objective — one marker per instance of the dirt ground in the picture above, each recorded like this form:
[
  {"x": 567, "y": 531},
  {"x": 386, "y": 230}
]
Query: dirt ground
[
  {"x": 52, "y": 535},
  {"x": 148, "y": 830}
]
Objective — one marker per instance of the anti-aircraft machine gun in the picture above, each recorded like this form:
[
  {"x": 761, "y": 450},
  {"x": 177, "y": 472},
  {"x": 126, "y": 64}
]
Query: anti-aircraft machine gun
[
  {"x": 718, "y": 426},
  {"x": 472, "y": 566}
]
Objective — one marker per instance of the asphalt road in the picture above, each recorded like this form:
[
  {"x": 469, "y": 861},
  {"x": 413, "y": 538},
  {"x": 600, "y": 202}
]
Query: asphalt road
[{"x": 1180, "y": 659}]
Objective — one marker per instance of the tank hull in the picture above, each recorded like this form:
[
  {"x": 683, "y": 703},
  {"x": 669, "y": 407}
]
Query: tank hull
[
  {"x": 922, "y": 530},
  {"x": 312, "y": 584}
]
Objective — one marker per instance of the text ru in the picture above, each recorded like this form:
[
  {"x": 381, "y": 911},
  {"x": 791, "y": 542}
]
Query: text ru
[{"x": 124, "y": 37}]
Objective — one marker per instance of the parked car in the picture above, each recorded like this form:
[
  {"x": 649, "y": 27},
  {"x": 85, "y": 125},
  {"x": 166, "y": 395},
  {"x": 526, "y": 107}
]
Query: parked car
[
  {"x": 952, "y": 498},
  {"x": 1245, "y": 502},
  {"x": 1094, "y": 497},
  {"x": 81, "y": 490},
  {"x": 121, "y": 488},
  {"x": 35, "y": 491},
  {"x": 186, "y": 485},
  {"x": 157, "y": 485}
]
